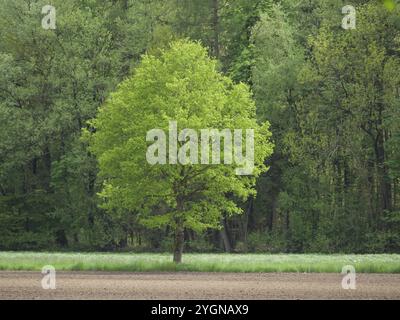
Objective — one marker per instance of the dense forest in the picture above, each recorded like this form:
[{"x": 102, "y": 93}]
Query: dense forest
[{"x": 331, "y": 95}]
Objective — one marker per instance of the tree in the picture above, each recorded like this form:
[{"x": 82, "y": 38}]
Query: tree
[
  {"x": 182, "y": 85},
  {"x": 51, "y": 83},
  {"x": 330, "y": 96},
  {"x": 356, "y": 82},
  {"x": 277, "y": 61}
]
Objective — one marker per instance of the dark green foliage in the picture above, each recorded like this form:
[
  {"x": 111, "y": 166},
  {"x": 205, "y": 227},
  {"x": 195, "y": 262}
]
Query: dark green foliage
[{"x": 331, "y": 96}]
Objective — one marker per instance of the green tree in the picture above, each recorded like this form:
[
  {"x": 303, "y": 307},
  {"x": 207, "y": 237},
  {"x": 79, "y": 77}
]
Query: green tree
[
  {"x": 353, "y": 110},
  {"x": 278, "y": 58},
  {"x": 51, "y": 83},
  {"x": 330, "y": 96},
  {"x": 181, "y": 85}
]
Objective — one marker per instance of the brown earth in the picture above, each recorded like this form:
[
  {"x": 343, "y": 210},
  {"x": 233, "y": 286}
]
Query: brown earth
[{"x": 176, "y": 286}]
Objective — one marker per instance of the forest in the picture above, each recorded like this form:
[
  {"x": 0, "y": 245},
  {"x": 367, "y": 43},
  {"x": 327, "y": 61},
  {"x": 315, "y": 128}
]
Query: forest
[{"x": 331, "y": 96}]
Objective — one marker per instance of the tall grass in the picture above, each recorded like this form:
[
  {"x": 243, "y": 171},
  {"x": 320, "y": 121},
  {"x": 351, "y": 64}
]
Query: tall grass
[{"x": 144, "y": 262}]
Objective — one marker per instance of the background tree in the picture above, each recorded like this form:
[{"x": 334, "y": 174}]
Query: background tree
[
  {"x": 331, "y": 96},
  {"x": 52, "y": 82},
  {"x": 181, "y": 85},
  {"x": 326, "y": 98}
]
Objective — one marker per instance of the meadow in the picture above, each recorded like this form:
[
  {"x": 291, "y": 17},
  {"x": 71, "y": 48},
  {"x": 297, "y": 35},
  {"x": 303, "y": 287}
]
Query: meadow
[{"x": 150, "y": 262}]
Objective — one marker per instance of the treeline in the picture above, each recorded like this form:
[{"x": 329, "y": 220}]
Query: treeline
[{"x": 332, "y": 97}]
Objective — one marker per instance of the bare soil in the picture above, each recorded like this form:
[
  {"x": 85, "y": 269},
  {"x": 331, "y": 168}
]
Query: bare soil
[{"x": 177, "y": 286}]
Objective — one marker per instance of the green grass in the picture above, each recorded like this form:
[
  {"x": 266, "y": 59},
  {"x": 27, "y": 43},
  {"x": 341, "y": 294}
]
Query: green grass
[{"x": 146, "y": 262}]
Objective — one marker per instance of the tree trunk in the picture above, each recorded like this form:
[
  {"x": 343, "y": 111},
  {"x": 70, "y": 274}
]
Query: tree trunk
[
  {"x": 249, "y": 213},
  {"x": 225, "y": 236},
  {"x": 385, "y": 187},
  {"x": 178, "y": 244},
  {"x": 215, "y": 26},
  {"x": 395, "y": 194},
  {"x": 179, "y": 232},
  {"x": 272, "y": 217}
]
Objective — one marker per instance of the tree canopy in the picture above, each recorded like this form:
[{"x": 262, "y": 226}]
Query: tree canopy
[
  {"x": 181, "y": 85},
  {"x": 329, "y": 93}
]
